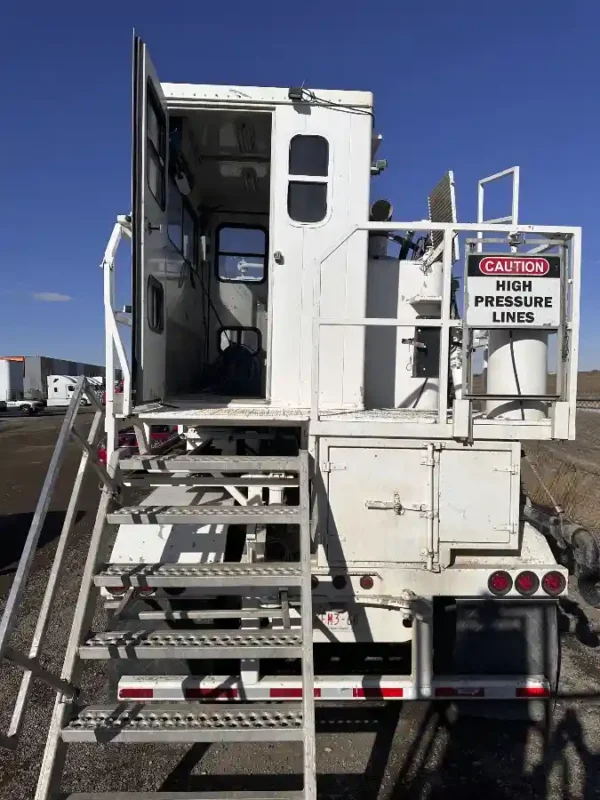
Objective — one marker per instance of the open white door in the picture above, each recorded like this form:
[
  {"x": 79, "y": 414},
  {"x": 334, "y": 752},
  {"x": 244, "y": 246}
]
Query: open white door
[{"x": 149, "y": 204}]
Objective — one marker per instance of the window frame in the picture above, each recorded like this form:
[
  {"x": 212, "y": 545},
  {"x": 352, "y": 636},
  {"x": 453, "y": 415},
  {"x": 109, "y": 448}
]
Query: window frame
[
  {"x": 152, "y": 154},
  {"x": 310, "y": 179},
  {"x": 219, "y": 252},
  {"x": 154, "y": 284}
]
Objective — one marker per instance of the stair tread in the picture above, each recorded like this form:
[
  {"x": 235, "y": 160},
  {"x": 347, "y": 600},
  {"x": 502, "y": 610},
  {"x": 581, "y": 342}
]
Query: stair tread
[
  {"x": 291, "y": 795},
  {"x": 151, "y": 644},
  {"x": 186, "y": 722},
  {"x": 206, "y": 574},
  {"x": 204, "y": 514},
  {"x": 188, "y": 462}
]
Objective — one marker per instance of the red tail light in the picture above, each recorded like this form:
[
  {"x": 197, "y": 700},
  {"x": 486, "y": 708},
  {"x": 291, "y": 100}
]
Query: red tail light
[
  {"x": 554, "y": 583},
  {"x": 532, "y": 691},
  {"x": 500, "y": 583},
  {"x": 527, "y": 583},
  {"x": 136, "y": 694}
]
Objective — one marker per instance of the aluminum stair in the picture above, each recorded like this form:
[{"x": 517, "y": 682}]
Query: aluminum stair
[{"x": 201, "y": 720}]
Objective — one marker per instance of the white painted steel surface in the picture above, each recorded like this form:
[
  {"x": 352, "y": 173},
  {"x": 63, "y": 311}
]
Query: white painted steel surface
[{"x": 517, "y": 365}]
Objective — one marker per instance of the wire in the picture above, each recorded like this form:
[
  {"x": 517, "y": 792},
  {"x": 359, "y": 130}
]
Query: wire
[
  {"x": 339, "y": 106},
  {"x": 514, "y": 366}
]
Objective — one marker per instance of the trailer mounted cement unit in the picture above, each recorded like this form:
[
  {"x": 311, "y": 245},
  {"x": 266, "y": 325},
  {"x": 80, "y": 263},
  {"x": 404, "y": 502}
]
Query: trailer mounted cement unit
[{"x": 340, "y": 517}]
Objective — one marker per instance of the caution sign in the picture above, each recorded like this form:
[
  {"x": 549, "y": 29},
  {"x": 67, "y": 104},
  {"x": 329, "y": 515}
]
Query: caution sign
[{"x": 513, "y": 291}]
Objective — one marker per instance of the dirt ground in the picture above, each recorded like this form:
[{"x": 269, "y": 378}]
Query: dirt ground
[{"x": 412, "y": 751}]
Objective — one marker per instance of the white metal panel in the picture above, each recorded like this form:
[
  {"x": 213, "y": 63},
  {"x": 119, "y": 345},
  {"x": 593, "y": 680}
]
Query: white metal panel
[
  {"x": 477, "y": 496},
  {"x": 364, "y": 484},
  {"x": 258, "y": 95}
]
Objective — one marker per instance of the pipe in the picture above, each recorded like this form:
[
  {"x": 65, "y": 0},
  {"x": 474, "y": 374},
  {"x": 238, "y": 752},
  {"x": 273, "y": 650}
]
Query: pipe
[{"x": 430, "y": 514}]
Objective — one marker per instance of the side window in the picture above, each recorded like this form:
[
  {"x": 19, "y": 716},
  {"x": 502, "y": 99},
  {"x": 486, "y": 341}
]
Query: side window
[
  {"x": 309, "y": 175},
  {"x": 182, "y": 227},
  {"x": 156, "y": 149},
  {"x": 156, "y": 305},
  {"x": 241, "y": 254}
]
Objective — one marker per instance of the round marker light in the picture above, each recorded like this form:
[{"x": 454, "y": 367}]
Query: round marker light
[
  {"x": 366, "y": 582},
  {"x": 554, "y": 583},
  {"x": 527, "y": 583},
  {"x": 339, "y": 582},
  {"x": 500, "y": 583}
]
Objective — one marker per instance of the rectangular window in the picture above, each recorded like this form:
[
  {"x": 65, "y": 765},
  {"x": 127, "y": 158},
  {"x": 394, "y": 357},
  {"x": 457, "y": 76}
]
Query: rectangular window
[
  {"x": 156, "y": 305},
  {"x": 156, "y": 150},
  {"x": 309, "y": 155},
  {"x": 250, "y": 338},
  {"x": 241, "y": 253},
  {"x": 309, "y": 166},
  {"x": 307, "y": 202},
  {"x": 189, "y": 236}
]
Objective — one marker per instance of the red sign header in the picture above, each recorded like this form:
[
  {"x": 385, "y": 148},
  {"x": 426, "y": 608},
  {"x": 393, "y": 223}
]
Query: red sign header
[{"x": 500, "y": 265}]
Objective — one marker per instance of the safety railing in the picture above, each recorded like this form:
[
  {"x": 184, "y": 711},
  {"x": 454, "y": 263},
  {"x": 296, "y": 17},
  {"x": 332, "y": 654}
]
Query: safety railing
[
  {"x": 512, "y": 234},
  {"x": 114, "y": 343},
  {"x": 30, "y": 663}
]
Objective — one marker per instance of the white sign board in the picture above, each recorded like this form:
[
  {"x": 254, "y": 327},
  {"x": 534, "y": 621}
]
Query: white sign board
[{"x": 513, "y": 291}]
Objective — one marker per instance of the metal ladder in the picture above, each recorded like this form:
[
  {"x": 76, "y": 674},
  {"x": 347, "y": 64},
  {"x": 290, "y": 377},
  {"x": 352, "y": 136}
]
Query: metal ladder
[
  {"x": 193, "y": 721},
  {"x": 30, "y": 663}
]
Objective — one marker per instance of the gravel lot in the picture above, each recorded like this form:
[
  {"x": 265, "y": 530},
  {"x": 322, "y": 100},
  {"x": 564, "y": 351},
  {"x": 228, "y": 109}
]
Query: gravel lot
[{"x": 397, "y": 751}]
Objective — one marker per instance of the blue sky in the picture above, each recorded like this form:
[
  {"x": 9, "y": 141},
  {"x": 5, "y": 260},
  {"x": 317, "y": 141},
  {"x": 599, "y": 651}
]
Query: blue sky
[{"x": 459, "y": 84}]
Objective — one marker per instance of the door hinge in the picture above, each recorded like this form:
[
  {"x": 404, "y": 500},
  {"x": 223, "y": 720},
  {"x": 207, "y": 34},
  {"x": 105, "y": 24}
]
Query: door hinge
[
  {"x": 513, "y": 469},
  {"x": 331, "y": 466}
]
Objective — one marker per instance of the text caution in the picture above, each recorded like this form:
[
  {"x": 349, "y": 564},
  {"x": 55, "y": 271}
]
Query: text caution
[{"x": 513, "y": 291}]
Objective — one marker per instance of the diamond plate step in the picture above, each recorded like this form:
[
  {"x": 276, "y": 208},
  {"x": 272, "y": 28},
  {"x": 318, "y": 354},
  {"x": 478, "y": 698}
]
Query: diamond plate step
[
  {"x": 186, "y": 723},
  {"x": 201, "y": 463},
  {"x": 202, "y": 515},
  {"x": 200, "y": 575},
  {"x": 148, "y": 644},
  {"x": 183, "y": 796}
]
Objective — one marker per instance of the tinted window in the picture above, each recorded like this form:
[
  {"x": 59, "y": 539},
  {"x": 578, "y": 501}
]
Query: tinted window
[
  {"x": 309, "y": 155},
  {"x": 156, "y": 138},
  {"x": 307, "y": 202}
]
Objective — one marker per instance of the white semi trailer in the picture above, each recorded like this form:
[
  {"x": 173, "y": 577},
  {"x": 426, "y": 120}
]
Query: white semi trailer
[{"x": 340, "y": 517}]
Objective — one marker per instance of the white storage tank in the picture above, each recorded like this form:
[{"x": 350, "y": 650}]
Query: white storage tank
[{"x": 517, "y": 365}]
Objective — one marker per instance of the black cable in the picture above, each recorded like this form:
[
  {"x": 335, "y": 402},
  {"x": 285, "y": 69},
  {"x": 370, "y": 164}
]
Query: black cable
[
  {"x": 339, "y": 106},
  {"x": 514, "y": 366}
]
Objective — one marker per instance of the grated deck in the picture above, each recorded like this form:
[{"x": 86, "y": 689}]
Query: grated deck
[{"x": 200, "y": 575}]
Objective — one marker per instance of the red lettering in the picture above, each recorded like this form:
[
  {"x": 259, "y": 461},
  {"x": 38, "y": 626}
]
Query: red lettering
[{"x": 498, "y": 265}]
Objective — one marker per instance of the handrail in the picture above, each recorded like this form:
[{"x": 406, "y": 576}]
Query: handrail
[
  {"x": 445, "y": 322},
  {"x": 30, "y": 663}
]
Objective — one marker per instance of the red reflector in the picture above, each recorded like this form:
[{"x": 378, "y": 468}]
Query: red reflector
[
  {"x": 133, "y": 694},
  {"x": 500, "y": 583},
  {"x": 527, "y": 583},
  {"x": 217, "y": 693},
  {"x": 460, "y": 691},
  {"x": 286, "y": 694},
  {"x": 377, "y": 692},
  {"x": 532, "y": 691},
  {"x": 553, "y": 583}
]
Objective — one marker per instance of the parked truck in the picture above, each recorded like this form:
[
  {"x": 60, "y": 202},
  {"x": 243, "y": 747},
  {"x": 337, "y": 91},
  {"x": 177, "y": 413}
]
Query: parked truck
[
  {"x": 340, "y": 516},
  {"x": 12, "y": 390},
  {"x": 62, "y": 387}
]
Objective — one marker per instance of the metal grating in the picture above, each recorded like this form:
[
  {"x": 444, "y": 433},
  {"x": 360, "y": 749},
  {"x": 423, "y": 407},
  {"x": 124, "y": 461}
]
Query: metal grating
[
  {"x": 199, "y": 575},
  {"x": 441, "y": 204},
  {"x": 193, "y": 644},
  {"x": 185, "y": 723},
  {"x": 203, "y": 514}
]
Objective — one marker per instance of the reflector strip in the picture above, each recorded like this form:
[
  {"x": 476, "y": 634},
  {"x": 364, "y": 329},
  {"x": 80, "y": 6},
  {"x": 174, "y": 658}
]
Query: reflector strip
[
  {"x": 134, "y": 694},
  {"x": 289, "y": 694},
  {"x": 532, "y": 691},
  {"x": 216, "y": 693},
  {"x": 459, "y": 691},
  {"x": 377, "y": 692}
]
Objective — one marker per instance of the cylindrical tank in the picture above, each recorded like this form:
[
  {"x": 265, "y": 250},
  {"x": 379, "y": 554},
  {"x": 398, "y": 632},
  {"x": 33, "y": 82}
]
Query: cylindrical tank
[
  {"x": 420, "y": 283},
  {"x": 517, "y": 365}
]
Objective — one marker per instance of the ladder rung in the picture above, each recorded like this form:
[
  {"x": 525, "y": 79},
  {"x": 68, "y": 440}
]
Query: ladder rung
[
  {"x": 203, "y": 515},
  {"x": 280, "y": 575},
  {"x": 186, "y": 722},
  {"x": 201, "y": 463},
  {"x": 159, "y": 644}
]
